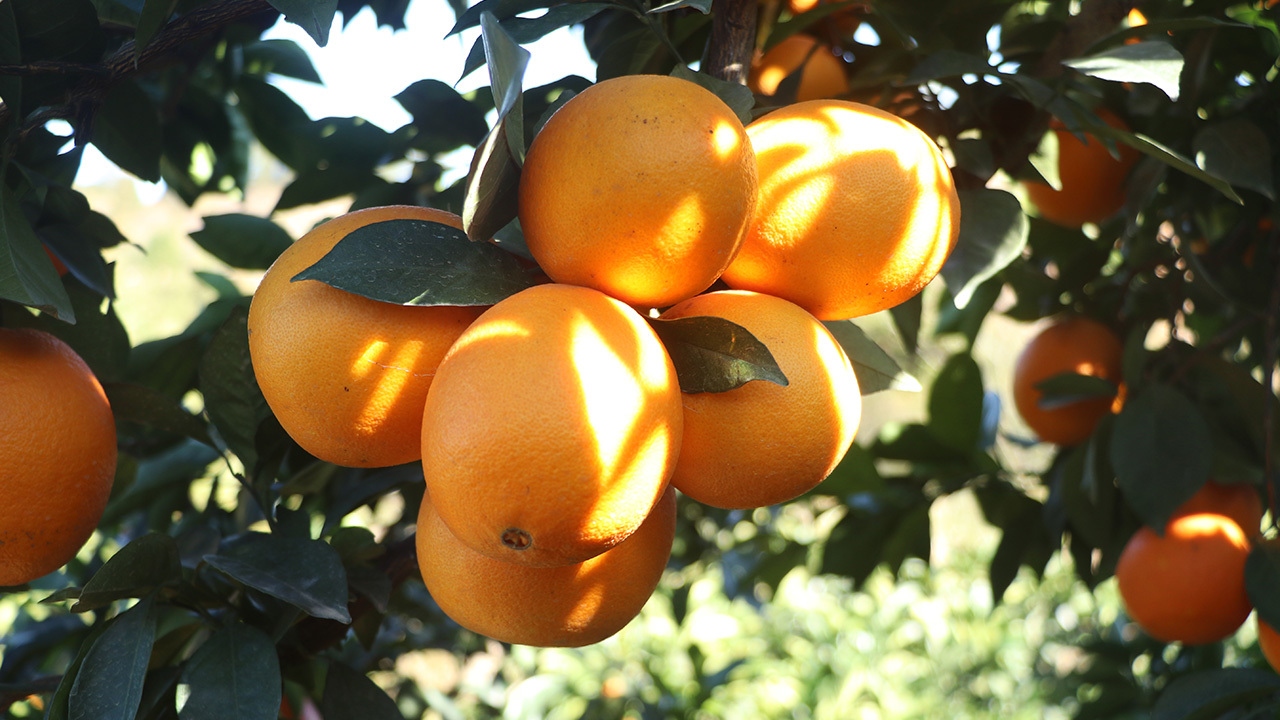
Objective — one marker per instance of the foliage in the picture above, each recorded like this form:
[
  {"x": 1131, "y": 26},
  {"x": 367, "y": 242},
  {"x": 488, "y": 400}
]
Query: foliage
[{"x": 246, "y": 558}]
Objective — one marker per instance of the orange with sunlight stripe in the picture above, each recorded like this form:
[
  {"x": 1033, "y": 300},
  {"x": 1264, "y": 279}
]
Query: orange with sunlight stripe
[
  {"x": 552, "y": 427},
  {"x": 347, "y": 376},
  {"x": 857, "y": 210}
]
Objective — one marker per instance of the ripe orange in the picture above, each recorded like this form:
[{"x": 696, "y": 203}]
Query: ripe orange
[
  {"x": 1072, "y": 344},
  {"x": 823, "y": 75},
  {"x": 857, "y": 210},
  {"x": 1187, "y": 586},
  {"x": 345, "y": 375},
  {"x": 641, "y": 187},
  {"x": 762, "y": 443},
  {"x": 841, "y": 24},
  {"x": 565, "y": 606},
  {"x": 1238, "y": 501},
  {"x": 1092, "y": 181},
  {"x": 1269, "y": 643},
  {"x": 57, "y": 454},
  {"x": 552, "y": 427}
]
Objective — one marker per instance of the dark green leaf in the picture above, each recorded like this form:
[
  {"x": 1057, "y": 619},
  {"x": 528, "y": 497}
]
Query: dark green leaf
[
  {"x": 906, "y": 319},
  {"x": 702, "y": 6},
  {"x": 493, "y": 183},
  {"x": 1237, "y": 151},
  {"x": 242, "y": 241},
  {"x": 948, "y": 63},
  {"x": 1262, "y": 581},
  {"x": 10, "y": 54},
  {"x": 320, "y": 184},
  {"x": 155, "y": 15},
  {"x": 876, "y": 371},
  {"x": 136, "y": 570},
  {"x": 417, "y": 262},
  {"x": 313, "y": 16},
  {"x": 127, "y": 130},
  {"x": 131, "y": 402},
  {"x": 993, "y": 232},
  {"x": 26, "y": 273},
  {"x": 712, "y": 354},
  {"x": 500, "y": 9},
  {"x": 955, "y": 403},
  {"x": 445, "y": 120},
  {"x": 231, "y": 396},
  {"x": 235, "y": 674},
  {"x": 279, "y": 57},
  {"x": 915, "y": 443},
  {"x": 736, "y": 96},
  {"x": 278, "y": 122},
  {"x": 109, "y": 683},
  {"x": 1155, "y": 62},
  {"x": 1168, "y": 156},
  {"x": 98, "y": 335},
  {"x": 1207, "y": 694},
  {"x": 523, "y": 30},
  {"x": 1067, "y": 388},
  {"x": 507, "y": 62},
  {"x": 307, "y": 574},
  {"x": 1161, "y": 453},
  {"x": 349, "y": 695}
]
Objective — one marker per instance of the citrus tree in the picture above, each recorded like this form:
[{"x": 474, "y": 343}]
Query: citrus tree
[{"x": 1097, "y": 173}]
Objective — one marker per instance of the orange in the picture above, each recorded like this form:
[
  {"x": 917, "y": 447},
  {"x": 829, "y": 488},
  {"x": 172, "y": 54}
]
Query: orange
[
  {"x": 565, "y": 606},
  {"x": 842, "y": 23},
  {"x": 552, "y": 427},
  {"x": 823, "y": 75},
  {"x": 1269, "y": 643},
  {"x": 640, "y": 187},
  {"x": 1238, "y": 501},
  {"x": 347, "y": 376},
  {"x": 762, "y": 443},
  {"x": 1070, "y": 345},
  {"x": 57, "y": 454},
  {"x": 1092, "y": 180},
  {"x": 857, "y": 210},
  {"x": 1187, "y": 586}
]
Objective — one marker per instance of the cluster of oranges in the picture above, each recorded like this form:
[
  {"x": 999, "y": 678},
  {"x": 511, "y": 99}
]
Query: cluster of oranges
[{"x": 551, "y": 426}]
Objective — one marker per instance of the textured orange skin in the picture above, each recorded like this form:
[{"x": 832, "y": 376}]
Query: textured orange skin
[
  {"x": 823, "y": 75},
  {"x": 347, "y": 376},
  {"x": 1238, "y": 501},
  {"x": 641, "y": 187},
  {"x": 565, "y": 606},
  {"x": 1187, "y": 586},
  {"x": 556, "y": 414},
  {"x": 57, "y": 454},
  {"x": 1072, "y": 344},
  {"x": 857, "y": 210},
  {"x": 1092, "y": 181},
  {"x": 762, "y": 443},
  {"x": 1269, "y": 643}
]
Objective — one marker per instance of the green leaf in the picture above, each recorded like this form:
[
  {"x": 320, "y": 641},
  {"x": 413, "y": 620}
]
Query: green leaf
[
  {"x": 1237, "y": 151},
  {"x": 946, "y": 64},
  {"x": 712, "y": 354},
  {"x": 108, "y": 685},
  {"x": 523, "y": 30},
  {"x": 349, "y": 695},
  {"x": 155, "y": 15},
  {"x": 500, "y": 9},
  {"x": 27, "y": 276},
  {"x": 507, "y": 62},
  {"x": 1166, "y": 155},
  {"x": 131, "y": 402},
  {"x": 445, "y": 120},
  {"x": 906, "y": 318},
  {"x": 59, "y": 704},
  {"x": 1161, "y": 452},
  {"x": 736, "y": 96},
  {"x": 876, "y": 371},
  {"x": 307, "y": 574},
  {"x": 140, "y": 567},
  {"x": 418, "y": 262},
  {"x": 1262, "y": 581},
  {"x": 98, "y": 335},
  {"x": 127, "y": 130},
  {"x": 1155, "y": 62},
  {"x": 232, "y": 398},
  {"x": 279, "y": 57},
  {"x": 242, "y": 241},
  {"x": 1068, "y": 387},
  {"x": 235, "y": 674},
  {"x": 313, "y": 16},
  {"x": 955, "y": 404},
  {"x": 702, "y": 6},
  {"x": 993, "y": 232},
  {"x": 10, "y": 54},
  {"x": 1207, "y": 694},
  {"x": 492, "y": 192}
]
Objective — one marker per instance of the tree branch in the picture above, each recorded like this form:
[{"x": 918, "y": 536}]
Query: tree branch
[{"x": 733, "y": 40}]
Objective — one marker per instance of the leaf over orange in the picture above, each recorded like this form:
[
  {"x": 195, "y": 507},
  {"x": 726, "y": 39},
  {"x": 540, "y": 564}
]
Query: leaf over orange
[
  {"x": 1072, "y": 344},
  {"x": 1092, "y": 181}
]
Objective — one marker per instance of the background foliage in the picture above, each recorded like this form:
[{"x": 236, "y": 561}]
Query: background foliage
[{"x": 230, "y": 564}]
